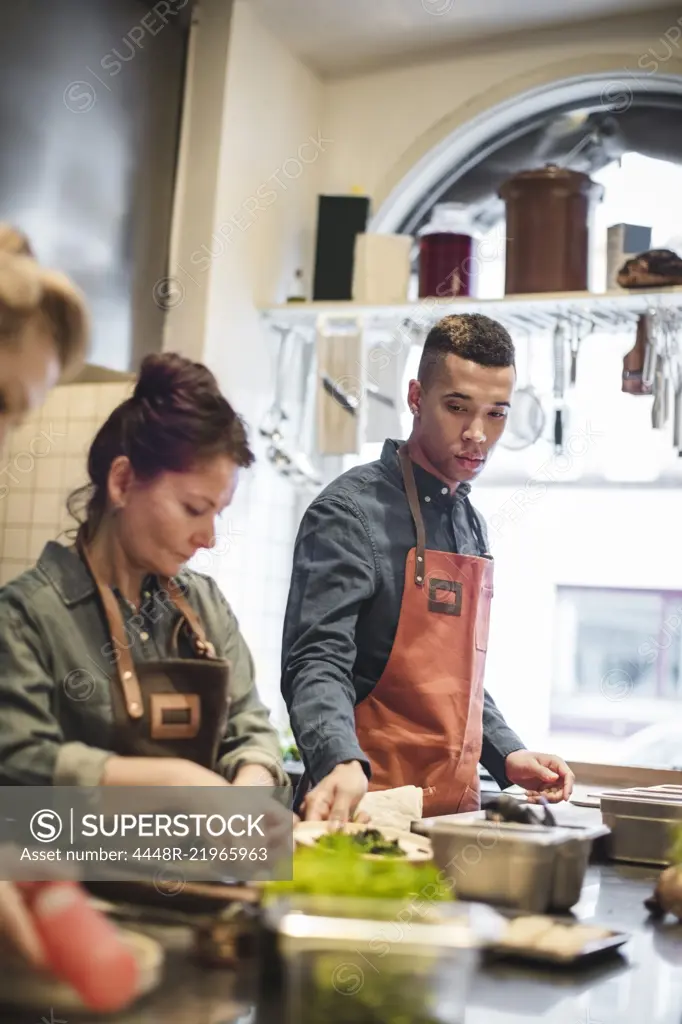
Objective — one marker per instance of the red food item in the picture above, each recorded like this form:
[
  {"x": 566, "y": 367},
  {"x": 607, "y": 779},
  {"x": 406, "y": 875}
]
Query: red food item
[{"x": 81, "y": 945}]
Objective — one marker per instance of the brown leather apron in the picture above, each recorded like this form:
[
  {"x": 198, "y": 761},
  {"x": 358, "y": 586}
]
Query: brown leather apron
[
  {"x": 422, "y": 724},
  {"x": 175, "y": 707}
]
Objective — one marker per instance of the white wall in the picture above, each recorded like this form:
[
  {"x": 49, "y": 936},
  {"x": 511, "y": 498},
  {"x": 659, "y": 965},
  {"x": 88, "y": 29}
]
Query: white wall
[
  {"x": 257, "y": 228},
  {"x": 383, "y": 122}
]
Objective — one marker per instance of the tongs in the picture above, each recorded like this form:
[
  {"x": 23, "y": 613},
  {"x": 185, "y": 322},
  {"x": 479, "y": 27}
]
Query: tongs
[{"x": 506, "y": 808}]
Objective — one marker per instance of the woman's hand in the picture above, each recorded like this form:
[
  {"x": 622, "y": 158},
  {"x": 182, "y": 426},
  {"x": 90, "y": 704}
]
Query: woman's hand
[{"x": 52, "y": 925}]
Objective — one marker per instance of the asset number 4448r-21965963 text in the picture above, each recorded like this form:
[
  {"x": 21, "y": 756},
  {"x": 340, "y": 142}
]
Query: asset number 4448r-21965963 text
[{"x": 204, "y": 853}]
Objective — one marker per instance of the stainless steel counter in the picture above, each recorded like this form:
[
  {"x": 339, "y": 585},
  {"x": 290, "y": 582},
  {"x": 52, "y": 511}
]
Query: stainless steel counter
[{"x": 643, "y": 986}]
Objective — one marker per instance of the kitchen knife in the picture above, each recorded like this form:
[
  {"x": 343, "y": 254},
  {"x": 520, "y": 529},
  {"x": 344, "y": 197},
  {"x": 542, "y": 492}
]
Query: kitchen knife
[
  {"x": 658, "y": 409},
  {"x": 649, "y": 368},
  {"x": 677, "y": 421},
  {"x": 559, "y": 360},
  {"x": 559, "y": 383},
  {"x": 350, "y": 402},
  {"x": 558, "y": 430}
]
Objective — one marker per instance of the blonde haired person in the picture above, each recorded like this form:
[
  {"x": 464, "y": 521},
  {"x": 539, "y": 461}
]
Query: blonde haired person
[{"x": 44, "y": 328}]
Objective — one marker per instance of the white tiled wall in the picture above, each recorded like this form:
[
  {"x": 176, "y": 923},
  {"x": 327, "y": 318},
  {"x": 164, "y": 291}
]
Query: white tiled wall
[
  {"x": 44, "y": 462},
  {"x": 251, "y": 562}
]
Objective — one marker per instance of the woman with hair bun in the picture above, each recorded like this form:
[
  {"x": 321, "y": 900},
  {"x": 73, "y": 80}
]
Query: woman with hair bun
[{"x": 119, "y": 666}]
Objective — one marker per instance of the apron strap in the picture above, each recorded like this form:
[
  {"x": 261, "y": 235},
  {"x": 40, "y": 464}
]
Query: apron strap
[
  {"x": 478, "y": 531},
  {"x": 413, "y": 502},
  {"x": 200, "y": 642},
  {"x": 125, "y": 665},
  {"x": 415, "y": 509}
]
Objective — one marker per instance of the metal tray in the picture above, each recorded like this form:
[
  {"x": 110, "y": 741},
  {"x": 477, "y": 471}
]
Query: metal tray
[
  {"x": 593, "y": 951},
  {"x": 649, "y": 794},
  {"x": 642, "y": 822}
]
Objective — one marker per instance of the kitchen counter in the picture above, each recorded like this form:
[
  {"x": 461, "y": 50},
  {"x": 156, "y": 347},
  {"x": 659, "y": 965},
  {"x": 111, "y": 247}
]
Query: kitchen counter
[{"x": 643, "y": 986}]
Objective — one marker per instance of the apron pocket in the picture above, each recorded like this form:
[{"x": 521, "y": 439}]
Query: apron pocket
[{"x": 483, "y": 618}]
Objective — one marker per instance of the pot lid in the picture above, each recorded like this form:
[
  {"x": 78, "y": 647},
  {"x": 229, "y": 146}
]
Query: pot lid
[
  {"x": 449, "y": 218},
  {"x": 552, "y": 173}
]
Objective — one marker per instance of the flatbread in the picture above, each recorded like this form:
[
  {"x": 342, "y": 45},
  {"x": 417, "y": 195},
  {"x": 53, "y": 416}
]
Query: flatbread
[
  {"x": 416, "y": 848},
  {"x": 543, "y": 935},
  {"x": 524, "y": 932}
]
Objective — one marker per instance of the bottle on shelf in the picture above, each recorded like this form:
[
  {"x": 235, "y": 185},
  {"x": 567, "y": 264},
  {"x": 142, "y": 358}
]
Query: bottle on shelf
[{"x": 296, "y": 292}]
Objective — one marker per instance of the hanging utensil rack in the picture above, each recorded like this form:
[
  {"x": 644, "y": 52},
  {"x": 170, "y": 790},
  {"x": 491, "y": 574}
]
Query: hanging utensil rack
[
  {"x": 283, "y": 451},
  {"x": 611, "y": 311},
  {"x": 574, "y": 314}
]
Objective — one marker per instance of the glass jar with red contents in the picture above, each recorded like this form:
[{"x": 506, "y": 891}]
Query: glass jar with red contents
[{"x": 446, "y": 255}]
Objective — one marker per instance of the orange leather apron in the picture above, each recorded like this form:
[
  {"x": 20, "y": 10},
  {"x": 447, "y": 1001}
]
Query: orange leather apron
[{"x": 422, "y": 724}]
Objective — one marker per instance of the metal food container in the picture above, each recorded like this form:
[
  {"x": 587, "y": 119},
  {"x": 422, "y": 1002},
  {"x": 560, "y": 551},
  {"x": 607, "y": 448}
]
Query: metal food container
[
  {"x": 643, "y": 821},
  {"x": 526, "y": 867},
  {"x": 355, "y": 961}
]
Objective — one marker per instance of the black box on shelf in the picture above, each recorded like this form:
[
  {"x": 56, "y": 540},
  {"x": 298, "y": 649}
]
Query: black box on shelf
[{"x": 339, "y": 220}]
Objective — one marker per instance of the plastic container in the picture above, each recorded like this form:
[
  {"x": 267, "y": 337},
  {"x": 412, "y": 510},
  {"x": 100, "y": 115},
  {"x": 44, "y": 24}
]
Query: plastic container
[
  {"x": 524, "y": 867},
  {"x": 346, "y": 961}
]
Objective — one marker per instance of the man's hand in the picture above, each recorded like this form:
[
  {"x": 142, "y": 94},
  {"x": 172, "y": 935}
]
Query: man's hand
[
  {"x": 337, "y": 796},
  {"x": 542, "y": 774}
]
